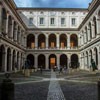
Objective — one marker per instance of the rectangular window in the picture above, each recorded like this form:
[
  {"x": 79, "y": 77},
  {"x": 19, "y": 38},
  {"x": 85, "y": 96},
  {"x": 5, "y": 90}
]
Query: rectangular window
[
  {"x": 52, "y": 21},
  {"x": 73, "y": 21},
  {"x": 41, "y": 21},
  {"x": 30, "y": 21},
  {"x": 62, "y": 21}
]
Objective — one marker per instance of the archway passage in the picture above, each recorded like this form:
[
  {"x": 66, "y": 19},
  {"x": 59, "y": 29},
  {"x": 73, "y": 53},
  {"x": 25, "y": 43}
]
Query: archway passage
[
  {"x": 13, "y": 60},
  {"x": 95, "y": 26},
  {"x": 4, "y": 17},
  {"x": 63, "y": 41},
  {"x": 8, "y": 59},
  {"x": 41, "y": 41},
  {"x": 73, "y": 41},
  {"x": 41, "y": 61},
  {"x": 63, "y": 60},
  {"x": 2, "y": 50},
  {"x": 74, "y": 61},
  {"x": 96, "y": 56},
  {"x": 52, "y": 61},
  {"x": 30, "y": 41},
  {"x": 30, "y": 58},
  {"x": 52, "y": 41}
]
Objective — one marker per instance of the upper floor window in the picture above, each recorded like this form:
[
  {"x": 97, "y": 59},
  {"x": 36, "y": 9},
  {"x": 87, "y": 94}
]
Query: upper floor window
[
  {"x": 30, "y": 21},
  {"x": 73, "y": 21},
  {"x": 41, "y": 12},
  {"x": 41, "y": 21},
  {"x": 52, "y": 21},
  {"x": 62, "y": 13},
  {"x": 62, "y": 21},
  {"x": 31, "y": 12}
]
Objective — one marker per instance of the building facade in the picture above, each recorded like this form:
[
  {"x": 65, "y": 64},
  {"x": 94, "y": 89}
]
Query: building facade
[{"x": 49, "y": 37}]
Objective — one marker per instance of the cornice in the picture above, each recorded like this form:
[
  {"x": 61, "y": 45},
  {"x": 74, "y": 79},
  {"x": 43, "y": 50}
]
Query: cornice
[
  {"x": 13, "y": 7},
  {"x": 52, "y": 9},
  {"x": 89, "y": 14},
  {"x": 52, "y": 29}
]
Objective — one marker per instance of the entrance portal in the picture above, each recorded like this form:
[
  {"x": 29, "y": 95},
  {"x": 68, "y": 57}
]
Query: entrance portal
[{"x": 52, "y": 61}]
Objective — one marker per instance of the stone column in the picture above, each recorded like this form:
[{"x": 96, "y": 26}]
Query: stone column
[
  {"x": 98, "y": 25},
  {"x": 47, "y": 41},
  {"x": 7, "y": 20},
  {"x": 47, "y": 61},
  {"x": 88, "y": 31},
  {"x": 58, "y": 61},
  {"x": 57, "y": 41},
  {"x": 79, "y": 41},
  {"x": 36, "y": 61},
  {"x": 79, "y": 60},
  {"x": 82, "y": 39},
  {"x": 12, "y": 30},
  {"x": 4, "y": 61},
  {"x": 68, "y": 60},
  {"x": 68, "y": 41},
  {"x": 36, "y": 41},
  {"x": 15, "y": 33},
  {"x": 92, "y": 29},
  {"x": 89, "y": 60},
  {"x": 85, "y": 37}
]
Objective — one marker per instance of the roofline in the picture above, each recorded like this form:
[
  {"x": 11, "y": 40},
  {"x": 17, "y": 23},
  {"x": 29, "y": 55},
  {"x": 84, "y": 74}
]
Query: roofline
[
  {"x": 59, "y": 9},
  {"x": 89, "y": 14},
  {"x": 52, "y": 29}
]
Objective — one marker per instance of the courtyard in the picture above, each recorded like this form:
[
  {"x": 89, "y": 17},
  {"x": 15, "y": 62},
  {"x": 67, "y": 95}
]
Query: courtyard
[{"x": 50, "y": 85}]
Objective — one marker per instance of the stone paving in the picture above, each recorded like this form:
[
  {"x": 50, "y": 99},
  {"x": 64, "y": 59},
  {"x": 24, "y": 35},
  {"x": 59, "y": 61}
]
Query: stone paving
[
  {"x": 80, "y": 85},
  {"x": 55, "y": 92}
]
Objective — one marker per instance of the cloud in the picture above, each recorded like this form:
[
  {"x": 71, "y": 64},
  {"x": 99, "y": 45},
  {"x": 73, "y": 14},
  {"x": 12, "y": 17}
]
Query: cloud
[{"x": 53, "y": 3}]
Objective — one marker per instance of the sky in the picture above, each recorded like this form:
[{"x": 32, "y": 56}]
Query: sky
[{"x": 53, "y": 3}]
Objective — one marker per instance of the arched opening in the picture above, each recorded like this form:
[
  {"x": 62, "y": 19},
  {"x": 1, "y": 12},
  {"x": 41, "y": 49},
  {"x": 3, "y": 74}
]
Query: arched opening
[
  {"x": 63, "y": 41},
  {"x": 8, "y": 59},
  {"x": 90, "y": 30},
  {"x": 2, "y": 53},
  {"x": 52, "y": 41},
  {"x": 30, "y": 58},
  {"x": 63, "y": 60},
  {"x": 22, "y": 61},
  {"x": 86, "y": 32},
  {"x": 95, "y": 26},
  {"x": 14, "y": 30},
  {"x": 74, "y": 61},
  {"x": 41, "y": 41},
  {"x": 52, "y": 61},
  {"x": 30, "y": 41},
  {"x": 9, "y": 26},
  {"x": 13, "y": 60},
  {"x": 73, "y": 41},
  {"x": 4, "y": 18},
  {"x": 17, "y": 63},
  {"x": 41, "y": 61},
  {"x": 96, "y": 56}
]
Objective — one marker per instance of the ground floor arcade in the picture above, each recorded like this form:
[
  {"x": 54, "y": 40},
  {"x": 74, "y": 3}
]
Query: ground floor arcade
[
  {"x": 49, "y": 61},
  {"x": 10, "y": 59}
]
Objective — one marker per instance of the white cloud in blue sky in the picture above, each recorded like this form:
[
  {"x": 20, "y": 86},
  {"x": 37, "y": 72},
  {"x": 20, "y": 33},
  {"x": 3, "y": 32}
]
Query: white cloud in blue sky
[{"x": 53, "y": 3}]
